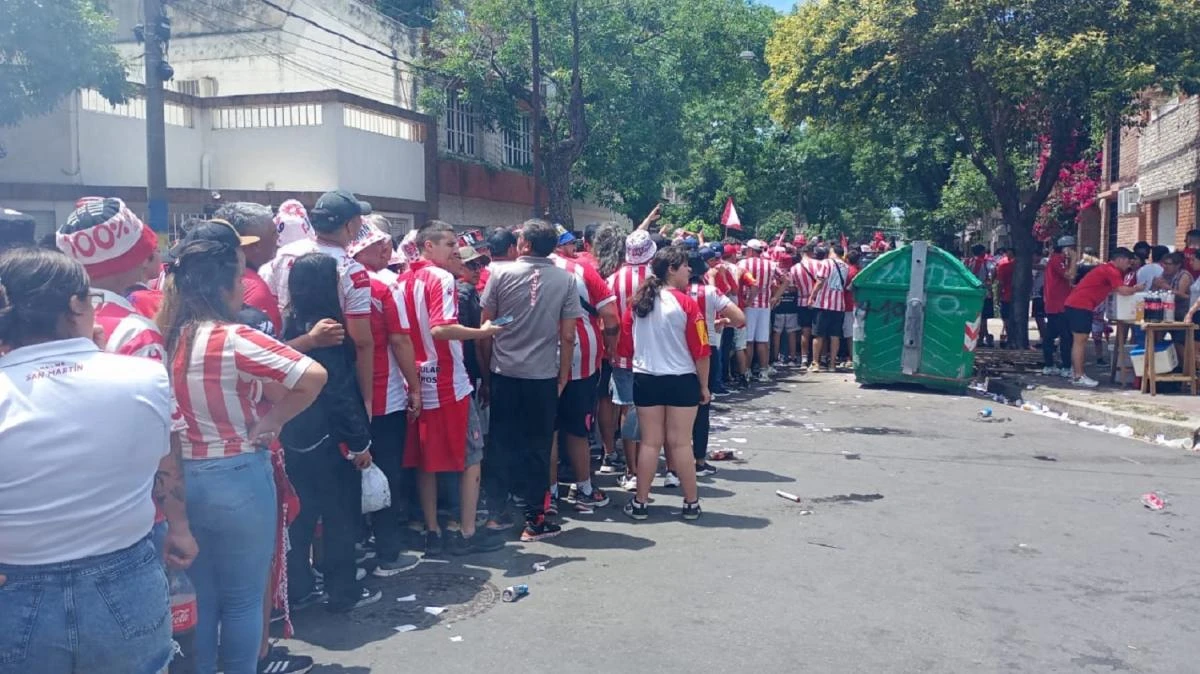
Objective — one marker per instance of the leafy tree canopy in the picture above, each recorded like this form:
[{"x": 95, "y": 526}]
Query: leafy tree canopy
[{"x": 49, "y": 48}]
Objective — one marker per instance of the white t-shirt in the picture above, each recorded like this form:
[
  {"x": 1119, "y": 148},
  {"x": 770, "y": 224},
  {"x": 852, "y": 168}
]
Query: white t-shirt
[
  {"x": 354, "y": 285},
  {"x": 1149, "y": 272},
  {"x": 81, "y": 435}
]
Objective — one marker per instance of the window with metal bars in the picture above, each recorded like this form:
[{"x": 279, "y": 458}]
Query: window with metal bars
[
  {"x": 460, "y": 125},
  {"x": 517, "y": 145}
]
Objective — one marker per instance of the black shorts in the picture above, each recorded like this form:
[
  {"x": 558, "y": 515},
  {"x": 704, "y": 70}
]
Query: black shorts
[
  {"x": 808, "y": 316},
  {"x": 669, "y": 390},
  {"x": 602, "y": 388},
  {"x": 576, "y": 406},
  {"x": 828, "y": 323},
  {"x": 1039, "y": 307},
  {"x": 989, "y": 309},
  {"x": 1006, "y": 310},
  {"x": 1079, "y": 321}
]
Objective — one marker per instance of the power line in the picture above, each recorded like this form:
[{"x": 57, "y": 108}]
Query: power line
[{"x": 345, "y": 37}]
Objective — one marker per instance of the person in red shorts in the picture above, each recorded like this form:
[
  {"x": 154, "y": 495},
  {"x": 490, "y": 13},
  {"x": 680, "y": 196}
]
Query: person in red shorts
[
  {"x": 1083, "y": 300},
  {"x": 427, "y": 300}
]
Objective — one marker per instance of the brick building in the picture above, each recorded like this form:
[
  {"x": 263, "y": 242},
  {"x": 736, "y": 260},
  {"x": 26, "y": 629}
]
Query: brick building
[{"x": 1151, "y": 177}]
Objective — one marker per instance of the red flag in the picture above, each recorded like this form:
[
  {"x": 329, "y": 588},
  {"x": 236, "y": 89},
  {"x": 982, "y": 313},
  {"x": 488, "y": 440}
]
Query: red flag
[
  {"x": 779, "y": 241},
  {"x": 845, "y": 243},
  {"x": 730, "y": 219}
]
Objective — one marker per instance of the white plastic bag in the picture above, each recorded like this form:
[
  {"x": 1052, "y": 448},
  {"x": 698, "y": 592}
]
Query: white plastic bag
[{"x": 376, "y": 495}]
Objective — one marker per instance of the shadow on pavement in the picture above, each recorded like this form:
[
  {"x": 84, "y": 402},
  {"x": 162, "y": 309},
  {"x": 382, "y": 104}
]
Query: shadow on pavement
[
  {"x": 731, "y": 474},
  {"x": 582, "y": 538},
  {"x": 706, "y": 491},
  {"x": 338, "y": 669}
]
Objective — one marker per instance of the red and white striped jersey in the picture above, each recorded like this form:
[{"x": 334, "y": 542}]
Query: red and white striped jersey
[
  {"x": 624, "y": 283},
  {"x": 126, "y": 331},
  {"x": 426, "y": 297},
  {"x": 831, "y": 296},
  {"x": 219, "y": 383},
  {"x": 390, "y": 393},
  {"x": 589, "y": 342},
  {"x": 804, "y": 277},
  {"x": 766, "y": 274},
  {"x": 711, "y": 303}
]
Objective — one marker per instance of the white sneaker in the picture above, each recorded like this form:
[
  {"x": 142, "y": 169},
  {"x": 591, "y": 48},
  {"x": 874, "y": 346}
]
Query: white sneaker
[
  {"x": 1084, "y": 382},
  {"x": 671, "y": 479},
  {"x": 627, "y": 482},
  {"x": 763, "y": 378},
  {"x": 1066, "y": 373},
  {"x": 1050, "y": 371},
  {"x": 771, "y": 372}
]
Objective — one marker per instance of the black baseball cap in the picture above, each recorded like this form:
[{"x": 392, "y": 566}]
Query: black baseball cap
[
  {"x": 217, "y": 231},
  {"x": 336, "y": 208}
]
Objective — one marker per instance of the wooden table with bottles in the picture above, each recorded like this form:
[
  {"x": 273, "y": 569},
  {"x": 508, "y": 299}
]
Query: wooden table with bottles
[{"x": 1150, "y": 378}]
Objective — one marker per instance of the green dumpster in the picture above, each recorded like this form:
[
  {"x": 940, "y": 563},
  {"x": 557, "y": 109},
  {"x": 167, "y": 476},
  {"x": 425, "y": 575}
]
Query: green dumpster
[{"x": 916, "y": 319}]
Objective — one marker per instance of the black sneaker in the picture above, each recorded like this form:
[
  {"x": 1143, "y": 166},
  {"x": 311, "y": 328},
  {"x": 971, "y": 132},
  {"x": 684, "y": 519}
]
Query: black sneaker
[
  {"x": 279, "y": 661},
  {"x": 539, "y": 530},
  {"x": 502, "y": 521},
  {"x": 366, "y": 597},
  {"x": 402, "y": 563},
  {"x": 691, "y": 511},
  {"x": 301, "y": 603},
  {"x": 705, "y": 469},
  {"x": 552, "y": 507},
  {"x": 587, "y": 503},
  {"x": 433, "y": 543},
  {"x": 637, "y": 511},
  {"x": 481, "y": 541},
  {"x": 612, "y": 464}
]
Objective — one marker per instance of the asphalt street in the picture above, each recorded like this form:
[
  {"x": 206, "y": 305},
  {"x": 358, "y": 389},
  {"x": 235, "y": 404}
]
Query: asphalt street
[{"x": 934, "y": 542}]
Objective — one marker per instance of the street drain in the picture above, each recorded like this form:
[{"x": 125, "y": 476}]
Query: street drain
[{"x": 462, "y": 595}]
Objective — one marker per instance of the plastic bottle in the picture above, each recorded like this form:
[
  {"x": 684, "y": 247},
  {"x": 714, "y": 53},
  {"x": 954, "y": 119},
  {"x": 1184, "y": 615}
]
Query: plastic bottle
[
  {"x": 1169, "y": 306},
  {"x": 183, "y": 623}
]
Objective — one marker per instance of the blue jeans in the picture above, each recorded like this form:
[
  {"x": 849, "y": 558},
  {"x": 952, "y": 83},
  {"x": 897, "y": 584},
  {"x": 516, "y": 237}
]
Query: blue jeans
[
  {"x": 108, "y": 614},
  {"x": 716, "y": 369},
  {"x": 231, "y": 506}
]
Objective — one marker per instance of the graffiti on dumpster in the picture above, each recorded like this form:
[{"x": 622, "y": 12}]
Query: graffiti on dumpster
[{"x": 893, "y": 310}]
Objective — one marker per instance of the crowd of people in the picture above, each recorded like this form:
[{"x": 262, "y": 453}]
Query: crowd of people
[
  {"x": 212, "y": 410},
  {"x": 1071, "y": 296}
]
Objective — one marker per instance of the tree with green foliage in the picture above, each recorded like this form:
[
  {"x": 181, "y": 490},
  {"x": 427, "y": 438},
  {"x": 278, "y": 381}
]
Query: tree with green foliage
[
  {"x": 49, "y": 49},
  {"x": 618, "y": 77},
  {"x": 995, "y": 77}
]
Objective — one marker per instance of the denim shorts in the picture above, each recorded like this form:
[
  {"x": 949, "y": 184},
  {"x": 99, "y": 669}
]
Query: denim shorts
[
  {"x": 622, "y": 386},
  {"x": 108, "y": 614}
]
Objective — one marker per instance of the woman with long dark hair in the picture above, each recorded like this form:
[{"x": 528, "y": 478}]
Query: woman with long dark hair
[
  {"x": 664, "y": 333},
  {"x": 221, "y": 371},
  {"x": 81, "y": 436},
  {"x": 327, "y": 481}
]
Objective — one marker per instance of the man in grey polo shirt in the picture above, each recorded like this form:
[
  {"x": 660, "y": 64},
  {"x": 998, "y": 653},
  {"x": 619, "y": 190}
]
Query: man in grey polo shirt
[{"x": 526, "y": 366}]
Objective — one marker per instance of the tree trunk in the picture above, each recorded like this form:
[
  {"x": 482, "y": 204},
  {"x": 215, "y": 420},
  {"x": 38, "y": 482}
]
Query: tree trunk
[
  {"x": 558, "y": 184},
  {"x": 1024, "y": 245}
]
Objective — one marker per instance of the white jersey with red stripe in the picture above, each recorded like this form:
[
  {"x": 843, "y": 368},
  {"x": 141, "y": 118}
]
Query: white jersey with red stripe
[
  {"x": 669, "y": 339},
  {"x": 426, "y": 297},
  {"x": 589, "y": 343},
  {"x": 711, "y": 303},
  {"x": 219, "y": 384},
  {"x": 804, "y": 276},
  {"x": 390, "y": 392},
  {"x": 831, "y": 296},
  {"x": 354, "y": 284},
  {"x": 624, "y": 283},
  {"x": 766, "y": 275}
]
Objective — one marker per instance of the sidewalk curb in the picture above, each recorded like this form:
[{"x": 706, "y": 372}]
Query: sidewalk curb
[{"x": 1143, "y": 426}]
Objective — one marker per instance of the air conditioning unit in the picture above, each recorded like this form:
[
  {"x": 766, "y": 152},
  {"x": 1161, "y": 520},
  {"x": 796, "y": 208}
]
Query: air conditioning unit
[{"x": 1128, "y": 200}]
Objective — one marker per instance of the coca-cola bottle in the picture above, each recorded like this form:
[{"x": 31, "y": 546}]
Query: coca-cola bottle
[{"x": 183, "y": 623}]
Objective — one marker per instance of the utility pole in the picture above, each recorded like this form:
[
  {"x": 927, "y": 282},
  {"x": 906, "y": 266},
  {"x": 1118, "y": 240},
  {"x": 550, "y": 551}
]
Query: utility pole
[
  {"x": 157, "y": 31},
  {"x": 535, "y": 115}
]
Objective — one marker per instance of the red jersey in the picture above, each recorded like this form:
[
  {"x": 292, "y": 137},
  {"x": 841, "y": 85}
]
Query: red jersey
[
  {"x": 624, "y": 283},
  {"x": 804, "y": 277},
  {"x": 256, "y": 293},
  {"x": 831, "y": 296},
  {"x": 723, "y": 279},
  {"x": 1004, "y": 277},
  {"x": 589, "y": 331},
  {"x": 851, "y": 272},
  {"x": 984, "y": 269},
  {"x": 590, "y": 260},
  {"x": 766, "y": 275},
  {"x": 1095, "y": 287},
  {"x": 219, "y": 385},
  {"x": 146, "y": 302},
  {"x": 667, "y": 341},
  {"x": 426, "y": 297},
  {"x": 389, "y": 393},
  {"x": 710, "y": 302},
  {"x": 1055, "y": 285}
]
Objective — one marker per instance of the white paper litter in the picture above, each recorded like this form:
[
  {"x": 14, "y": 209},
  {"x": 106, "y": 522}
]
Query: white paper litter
[
  {"x": 405, "y": 628},
  {"x": 740, "y": 441},
  {"x": 435, "y": 610},
  {"x": 411, "y": 597},
  {"x": 456, "y": 639}
]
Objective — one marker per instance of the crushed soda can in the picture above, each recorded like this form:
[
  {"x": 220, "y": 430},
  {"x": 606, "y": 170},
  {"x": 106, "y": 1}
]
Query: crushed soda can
[
  {"x": 723, "y": 455},
  {"x": 1153, "y": 501},
  {"x": 985, "y": 412},
  {"x": 514, "y": 592}
]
